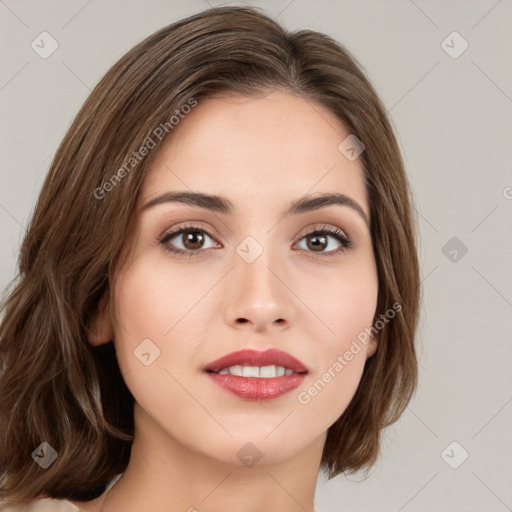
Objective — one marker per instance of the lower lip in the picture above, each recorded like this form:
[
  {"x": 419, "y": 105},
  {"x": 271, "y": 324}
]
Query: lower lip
[{"x": 256, "y": 388}]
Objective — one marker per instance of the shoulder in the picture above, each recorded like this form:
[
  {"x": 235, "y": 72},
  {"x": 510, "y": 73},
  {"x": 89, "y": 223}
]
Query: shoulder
[{"x": 45, "y": 505}]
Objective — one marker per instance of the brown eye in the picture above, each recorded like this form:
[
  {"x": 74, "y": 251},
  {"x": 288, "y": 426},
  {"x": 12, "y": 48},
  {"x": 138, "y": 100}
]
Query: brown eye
[
  {"x": 318, "y": 241},
  {"x": 186, "y": 240},
  {"x": 192, "y": 239}
]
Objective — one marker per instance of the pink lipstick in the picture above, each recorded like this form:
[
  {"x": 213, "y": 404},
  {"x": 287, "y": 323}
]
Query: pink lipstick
[{"x": 257, "y": 375}]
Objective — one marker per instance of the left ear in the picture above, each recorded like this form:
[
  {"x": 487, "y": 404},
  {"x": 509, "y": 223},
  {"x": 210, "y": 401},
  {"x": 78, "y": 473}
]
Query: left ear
[
  {"x": 100, "y": 331},
  {"x": 371, "y": 348}
]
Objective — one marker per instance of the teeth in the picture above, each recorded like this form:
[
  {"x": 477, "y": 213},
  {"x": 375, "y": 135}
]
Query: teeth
[
  {"x": 257, "y": 371},
  {"x": 250, "y": 371}
]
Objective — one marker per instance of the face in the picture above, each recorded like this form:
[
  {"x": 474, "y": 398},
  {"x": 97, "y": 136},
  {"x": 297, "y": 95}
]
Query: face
[{"x": 252, "y": 278}]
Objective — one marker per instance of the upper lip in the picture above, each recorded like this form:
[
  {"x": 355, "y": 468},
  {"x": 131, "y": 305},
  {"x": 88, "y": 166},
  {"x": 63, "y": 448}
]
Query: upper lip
[{"x": 250, "y": 357}]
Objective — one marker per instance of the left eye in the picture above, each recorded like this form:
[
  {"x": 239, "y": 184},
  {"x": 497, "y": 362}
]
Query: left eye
[{"x": 193, "y": 241}]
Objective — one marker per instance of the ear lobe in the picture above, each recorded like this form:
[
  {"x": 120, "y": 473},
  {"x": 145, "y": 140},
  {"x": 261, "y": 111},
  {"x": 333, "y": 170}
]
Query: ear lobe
[
  {"x": 100, "y": 329},
  {"x": 371, "y": 348}
]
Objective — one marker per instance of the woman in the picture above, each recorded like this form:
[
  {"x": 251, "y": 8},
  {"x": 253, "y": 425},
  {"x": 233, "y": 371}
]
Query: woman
[{"x": 219, "y": 289}]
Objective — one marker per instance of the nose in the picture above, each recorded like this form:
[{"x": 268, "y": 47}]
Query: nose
[{"x": 258, "y": 297}]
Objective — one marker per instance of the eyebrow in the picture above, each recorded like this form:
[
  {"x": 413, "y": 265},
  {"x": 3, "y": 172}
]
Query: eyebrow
[{"x": 223, "y": 205}]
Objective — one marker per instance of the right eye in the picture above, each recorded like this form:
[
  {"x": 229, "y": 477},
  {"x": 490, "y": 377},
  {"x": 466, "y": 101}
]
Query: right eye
[{"x": 194, "y": 235}]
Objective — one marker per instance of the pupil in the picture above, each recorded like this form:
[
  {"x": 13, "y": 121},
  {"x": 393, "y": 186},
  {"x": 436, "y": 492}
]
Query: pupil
[
  {"x": 314, "y": 245},
  {"x": 192, "y": 237}
]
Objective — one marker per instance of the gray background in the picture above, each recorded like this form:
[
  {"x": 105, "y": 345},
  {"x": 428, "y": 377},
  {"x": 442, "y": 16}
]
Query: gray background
[{"x": 453, "y": 122}]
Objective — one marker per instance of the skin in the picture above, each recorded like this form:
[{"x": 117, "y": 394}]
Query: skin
[{"x": 261, "y": 153}]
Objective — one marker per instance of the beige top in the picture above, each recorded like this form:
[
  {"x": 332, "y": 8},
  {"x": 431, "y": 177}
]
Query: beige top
[
  {"x": 49, "y": 505},
  {"x": 53, "y": 505},
  {"x": 46, "y": 505}
]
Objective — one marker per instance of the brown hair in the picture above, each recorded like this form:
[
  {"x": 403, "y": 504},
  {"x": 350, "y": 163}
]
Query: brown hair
[{"x": 55, "y": 386}]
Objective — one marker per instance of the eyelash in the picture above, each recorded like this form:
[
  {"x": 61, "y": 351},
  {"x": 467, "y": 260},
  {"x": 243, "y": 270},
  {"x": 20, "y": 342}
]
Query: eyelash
[{"x": 345, "y": 242}]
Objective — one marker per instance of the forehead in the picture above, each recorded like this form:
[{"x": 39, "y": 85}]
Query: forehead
[{"x": 268, "y": 149}]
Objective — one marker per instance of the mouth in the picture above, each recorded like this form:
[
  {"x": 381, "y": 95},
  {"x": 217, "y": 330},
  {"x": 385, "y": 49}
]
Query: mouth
[{"x": 257, "y": 375}]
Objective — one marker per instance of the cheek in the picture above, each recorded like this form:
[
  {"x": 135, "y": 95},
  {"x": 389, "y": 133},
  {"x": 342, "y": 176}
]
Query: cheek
[
  {"x": 343, "y": 301},
  {"x": 154, "y": 298},
  {"x": 152, "y": 302},
  {"x": 345, "y": 306}
]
